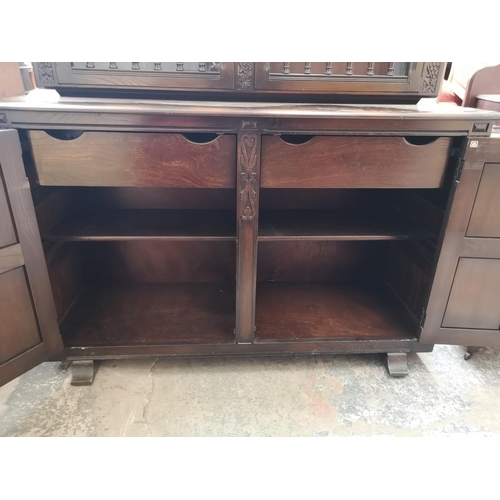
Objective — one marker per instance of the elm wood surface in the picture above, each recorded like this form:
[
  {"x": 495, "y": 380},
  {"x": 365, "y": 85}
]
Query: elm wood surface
[
  {"x": 151, "y": 313},
  {"x": 140, "y": 261},
  {"x": 275, "y": 225},
  {"x": 286, "y": 311},
  {"x": 28, "y": 326},
  {"x": 131, "y": 159},
  {"x": 485, "y": 217},
  {"x": 353, "y": 162},
  {"x": 303, "y": 260},
  {"x": 475, "y": 295},
  {"x": 146, "y": 224}
]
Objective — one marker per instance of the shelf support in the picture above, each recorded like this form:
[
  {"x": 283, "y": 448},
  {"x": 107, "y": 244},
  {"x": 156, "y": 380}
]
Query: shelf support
[
  {"x": 83, "y": 372},
  {"x": 248, "y": 211},
  {"x": 397, "y": 364}
]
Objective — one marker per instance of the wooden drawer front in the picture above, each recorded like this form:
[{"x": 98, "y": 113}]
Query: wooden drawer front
[
  {"x": 353, "y": 162},
  {"x": 134, "y": 159},
  {"x": 485, "y": 218},
  {"x": 475, "y": 295}
]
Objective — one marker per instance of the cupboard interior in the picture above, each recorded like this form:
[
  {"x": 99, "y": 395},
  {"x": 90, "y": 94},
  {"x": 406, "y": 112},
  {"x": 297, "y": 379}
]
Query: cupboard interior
[
  {"x": 133, "y": 266},
  {"x": 348, "y": 263}
]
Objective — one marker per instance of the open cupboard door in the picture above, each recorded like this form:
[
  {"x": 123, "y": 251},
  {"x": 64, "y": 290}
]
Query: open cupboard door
[
  {"x": 29, "y": 333},
  {"x": 464, "y": 305}
]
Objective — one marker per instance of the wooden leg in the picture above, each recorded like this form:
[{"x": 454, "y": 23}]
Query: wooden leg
[
  {"x": 397, "y": 364},
  {"x": 83, "y": 372},
  {"x": 470, "y": 350}
]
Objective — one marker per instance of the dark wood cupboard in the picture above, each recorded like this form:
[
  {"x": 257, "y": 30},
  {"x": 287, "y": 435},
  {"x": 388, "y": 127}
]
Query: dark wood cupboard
[
  {"x": 403, "y": 82},
  {"x": 152, "y": 228}
]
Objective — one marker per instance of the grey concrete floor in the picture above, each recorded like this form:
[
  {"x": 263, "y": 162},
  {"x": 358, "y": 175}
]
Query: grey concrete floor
[{"x": 263, "y": 396}]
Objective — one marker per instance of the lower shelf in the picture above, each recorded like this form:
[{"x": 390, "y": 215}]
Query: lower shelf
[
  {"x": 151, "y": 314},
  {"x": 293, "y": 311}
]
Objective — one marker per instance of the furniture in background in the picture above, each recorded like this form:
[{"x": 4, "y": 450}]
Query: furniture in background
[{"x": 169, "y": 228}]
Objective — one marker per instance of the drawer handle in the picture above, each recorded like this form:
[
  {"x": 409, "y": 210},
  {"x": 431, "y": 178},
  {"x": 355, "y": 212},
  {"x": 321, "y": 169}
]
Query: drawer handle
[
  {"x": 420, "y": 140},
  {"x": 65, "y": 135},
  {"x": 200, "y": 138},
  {"x": 296, "y": 139}
]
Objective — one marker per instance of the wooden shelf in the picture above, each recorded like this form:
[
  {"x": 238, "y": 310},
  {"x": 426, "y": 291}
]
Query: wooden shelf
[
  {"x": 312, "y": 310},
  {"x": 336, "y": 225},
  {"x": 108, "y": 225},
  {"x": 151, "y": 314}
]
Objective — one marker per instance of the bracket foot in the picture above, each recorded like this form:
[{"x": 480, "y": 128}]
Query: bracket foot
[
  {"x": 83, "y": 372},
  {"x": 397, "y": 364}
]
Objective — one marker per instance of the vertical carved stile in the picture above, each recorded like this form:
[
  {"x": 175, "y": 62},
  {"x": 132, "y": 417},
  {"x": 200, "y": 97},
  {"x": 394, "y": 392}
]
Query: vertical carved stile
[
  {"x": 202, "y": 67},
  {"x": 390, "y": 69},
  {"x": 370, "y": 71},
  {"x": 328, "y": 68},
  {"x": 135, "y": 65},
  {"x": 431, "y": 78},
  {"x": 248, "y": 176},
  {"x": 180, "y": 66},
  {"x": 46, "y": 73},
  {"x": 244, "y": 77},
  {"x": 157, "y": 66},
  {"x": 348, "y": 69},
  {"x": 286, "y": 68},
  {"x": 90, "y": 65},
  {"x": 307, "y": 68},
  {"x": 113, "y": 65}
]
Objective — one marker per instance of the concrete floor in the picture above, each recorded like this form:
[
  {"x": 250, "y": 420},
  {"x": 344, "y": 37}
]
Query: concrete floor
[{"x": 271, "y": 396}]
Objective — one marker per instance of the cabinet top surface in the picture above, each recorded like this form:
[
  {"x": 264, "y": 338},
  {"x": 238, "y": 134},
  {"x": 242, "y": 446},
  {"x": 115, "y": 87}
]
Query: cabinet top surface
[{"x": 47, "y": 101}]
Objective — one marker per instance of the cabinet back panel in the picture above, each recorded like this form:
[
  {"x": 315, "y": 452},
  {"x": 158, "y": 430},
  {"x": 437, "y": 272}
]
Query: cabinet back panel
[
  {"x": 150, "y": 198},
  {"x": 320, "y": 260},
  {"x": 159, "y": 261}
]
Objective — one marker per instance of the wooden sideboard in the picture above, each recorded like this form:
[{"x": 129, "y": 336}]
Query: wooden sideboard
[{"x": 168, "y": 228}]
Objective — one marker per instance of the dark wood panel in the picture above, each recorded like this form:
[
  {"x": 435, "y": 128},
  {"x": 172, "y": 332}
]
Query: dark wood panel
[
  {"x": 353, "y": 162},
  {"x": 320, "y": 260},
  {"x": 408, "y": 276},
  {"x": 52, "y": 205},
  {"x": 289, "y": 311},
  {"x": 7, "y": 233},
  {"x": 65, "y": 277},
  {"x": 263, "y": 347},
  {"x": 34, "y": 273},
  {"x": 131, "y": 159},
  {"x": 152, "y": 313},
  {"x": 475, "y": 295},
  {"x": 324, "y": 225},
  {"x": 11, "y": 257},
  {"x": 18, "y": 326},
  {"x": 159, "y": 261},
  {"x": 154, "y": 198},
  {"x": 485, "y": 218},
  {"x": 146, "y": 224}
]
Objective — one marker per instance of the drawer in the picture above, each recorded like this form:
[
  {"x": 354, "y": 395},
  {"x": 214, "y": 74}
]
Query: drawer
[
  {"x": 353, "y": 162},
  {"x": 134, "y": 159},
  {"x": 485, "y": 220}
]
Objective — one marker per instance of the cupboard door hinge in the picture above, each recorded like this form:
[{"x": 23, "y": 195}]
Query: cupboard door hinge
[
  {"x": 458, "y": 170},
  {"x": 423, "y": 316}
]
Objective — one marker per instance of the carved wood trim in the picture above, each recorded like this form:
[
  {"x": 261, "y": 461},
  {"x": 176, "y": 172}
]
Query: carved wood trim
[
  {"x": 244, "y": 78},
  {"x": 46, "y": 73},
  {"x": 431, "y": 78},
  {"x": 248, "y": 176}
]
